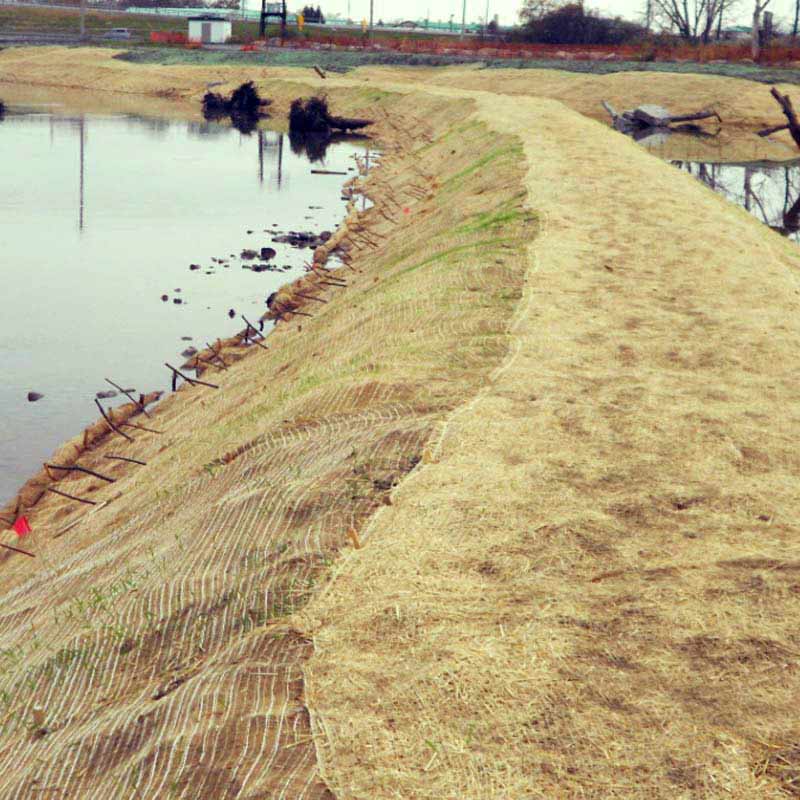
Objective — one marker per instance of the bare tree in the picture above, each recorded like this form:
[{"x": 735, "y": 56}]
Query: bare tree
[
  {"x": 692, "y": 19},
  {"x": 755, "y": 41},
  {"x": 533, "y": 10}
]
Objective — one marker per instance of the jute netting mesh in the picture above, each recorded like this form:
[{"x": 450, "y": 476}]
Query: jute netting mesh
[{"x": 149, "y": 650}]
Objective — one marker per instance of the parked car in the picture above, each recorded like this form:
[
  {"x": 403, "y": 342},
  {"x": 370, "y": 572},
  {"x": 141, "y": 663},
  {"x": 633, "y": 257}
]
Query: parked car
[{"x": 117, "y": 33}]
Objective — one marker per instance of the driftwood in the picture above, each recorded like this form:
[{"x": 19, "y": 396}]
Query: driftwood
[
  {"x": 788, "y": 111},
  {"x": 651, "y": 117}
]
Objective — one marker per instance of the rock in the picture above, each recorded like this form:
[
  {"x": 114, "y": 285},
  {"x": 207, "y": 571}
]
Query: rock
[
  {"x": 186, "y": 338},
  {"x": 164, "y": 297},
  {"x": 189, "y": 352},
  {"x": 194, "y": 267},
  {"x": 325, "y": 235},
  {"x": 271, "y": 299},
  {"x": 652, "y": 115},
  {"x": 34, "y": 396},
  {"x": 267, "y": 253},
  {"x": 248, "y": 255},
  {"x": 299, "y": 239},
  {"x": 177, "y": 301},
  {"x": 106, "y": 395},
  {"x": 249, "y": 231},
  {"x": 176, "y": 290},
  {"x": 231, "y": 313}
]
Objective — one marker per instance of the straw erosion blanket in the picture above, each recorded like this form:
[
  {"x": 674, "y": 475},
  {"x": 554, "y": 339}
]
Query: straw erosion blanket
[{"x": 555, "y": 407}]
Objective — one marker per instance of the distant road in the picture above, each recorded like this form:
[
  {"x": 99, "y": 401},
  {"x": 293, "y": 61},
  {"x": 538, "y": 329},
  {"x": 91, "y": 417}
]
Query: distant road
[{"x": 355, "y": 26}]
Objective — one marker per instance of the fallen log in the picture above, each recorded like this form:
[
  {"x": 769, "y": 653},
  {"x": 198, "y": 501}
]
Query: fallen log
[
  {"x": 646, "y": 117},
  {"x": 785, "y": 103}
]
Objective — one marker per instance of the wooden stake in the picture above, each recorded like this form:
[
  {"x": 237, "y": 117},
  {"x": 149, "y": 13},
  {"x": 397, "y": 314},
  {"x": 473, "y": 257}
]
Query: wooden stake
[
  {"x": 71, "y": 496},
  {"x": 311, "y": 297},
  {"x": 130, "y": 397},
  {"x": 85, "y": 470},
  {"x": 251, "y": 327},
  {"x": 125, "y": 458},
  {"x": 192, "y": 381},
  {"x": 352, "y": 535},
  {"x": 319, "y": 72},
  {"x": 140, "y": 428},
  {"x": 218, "y": 356},
  {"x": 110, "y": 423},
  {"x": 80, "y": 519},
  {"x": 17, "y": 550}
]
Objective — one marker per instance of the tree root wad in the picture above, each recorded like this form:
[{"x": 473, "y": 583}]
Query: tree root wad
[
  {"x": 245, "y": 107},
  {"x": 313, "y": 116}
]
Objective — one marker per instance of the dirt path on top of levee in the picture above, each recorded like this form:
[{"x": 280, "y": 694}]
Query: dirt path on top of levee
[
  {"x": 745, "y": 106},
  {"x": 591, "y": 587},
  {"x": 568, "y": 450}
]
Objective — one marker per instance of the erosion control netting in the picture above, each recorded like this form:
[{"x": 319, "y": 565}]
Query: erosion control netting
[{"x": 150, "y": 650}]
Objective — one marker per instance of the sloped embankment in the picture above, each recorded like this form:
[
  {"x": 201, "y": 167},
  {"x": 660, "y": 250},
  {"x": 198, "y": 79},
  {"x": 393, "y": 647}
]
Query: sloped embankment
[{"x": 156, "y": 635}]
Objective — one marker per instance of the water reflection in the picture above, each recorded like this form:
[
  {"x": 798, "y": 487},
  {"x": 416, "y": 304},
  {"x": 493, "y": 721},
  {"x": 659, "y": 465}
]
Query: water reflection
[
  {"x": 270, "y": 144},
  {"x": 103, "y": 216},
  {"x": 770, "y": 192}
]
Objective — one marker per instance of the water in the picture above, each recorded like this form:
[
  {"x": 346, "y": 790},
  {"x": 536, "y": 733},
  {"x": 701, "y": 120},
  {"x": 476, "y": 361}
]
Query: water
[
  {"x": 102, "y": 215},
  {"x": 769, "y": 191}
]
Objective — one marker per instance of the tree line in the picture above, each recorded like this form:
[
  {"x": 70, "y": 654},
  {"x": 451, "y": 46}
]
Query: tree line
[{"x": 695, "y": 21}]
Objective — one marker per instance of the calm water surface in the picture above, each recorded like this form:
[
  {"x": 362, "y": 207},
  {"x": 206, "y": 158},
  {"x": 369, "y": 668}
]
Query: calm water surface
[
  {"x": 769, "y": 191},
  {"x": 102, "y": 215}
]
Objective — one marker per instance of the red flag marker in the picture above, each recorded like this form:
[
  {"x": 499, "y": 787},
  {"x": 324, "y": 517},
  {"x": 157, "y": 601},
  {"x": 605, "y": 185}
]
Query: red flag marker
[{"x": 21, "y": 527}]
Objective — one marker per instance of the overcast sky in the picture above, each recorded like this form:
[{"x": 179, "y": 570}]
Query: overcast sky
[{"x": 506, "y": 9}]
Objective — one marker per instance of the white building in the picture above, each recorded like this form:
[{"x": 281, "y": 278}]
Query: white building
[{"x": 209, "y": 29}]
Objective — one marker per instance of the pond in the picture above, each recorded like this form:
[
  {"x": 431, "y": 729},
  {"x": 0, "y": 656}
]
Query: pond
[
  {"x": 769, "y": 191},
  {"x": 103, "y": 216}
]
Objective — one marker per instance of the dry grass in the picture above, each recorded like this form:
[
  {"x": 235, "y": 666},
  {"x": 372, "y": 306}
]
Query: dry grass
[
  {"x": 157, "y": 634},
  {"x": 587, "y": 588},
  {"x": 591, "y": 590}
]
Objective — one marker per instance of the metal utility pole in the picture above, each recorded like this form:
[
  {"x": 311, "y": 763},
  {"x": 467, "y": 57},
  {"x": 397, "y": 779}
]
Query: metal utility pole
[
  {"x": 463, "y": 18},
  {"x": 82, "y": 137},
  {"x": 371, "y": 15},
  {"x": 83, "y": 19},
  {"x": 486, "y": 23}
]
